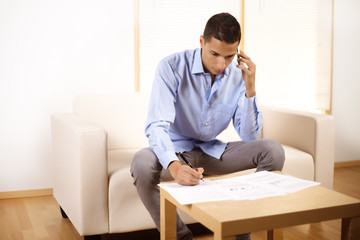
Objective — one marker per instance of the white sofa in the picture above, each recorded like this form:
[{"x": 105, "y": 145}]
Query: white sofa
[{"x": 94, "y": 145}]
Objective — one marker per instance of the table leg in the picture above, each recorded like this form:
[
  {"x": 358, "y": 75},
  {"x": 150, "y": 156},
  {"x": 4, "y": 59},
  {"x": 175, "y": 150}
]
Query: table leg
[
  {"x": 167, "y": 219},
  {"x": 270, "y": 234},
  {"x": 275, "y": 234},
  {"x": 350, "y": 228},
  {"x": 217, "y": 236}
]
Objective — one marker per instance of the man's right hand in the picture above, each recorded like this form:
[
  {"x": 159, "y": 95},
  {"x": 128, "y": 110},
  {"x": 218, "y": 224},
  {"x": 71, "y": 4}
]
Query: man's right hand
[{"x": 185, "y": 175}]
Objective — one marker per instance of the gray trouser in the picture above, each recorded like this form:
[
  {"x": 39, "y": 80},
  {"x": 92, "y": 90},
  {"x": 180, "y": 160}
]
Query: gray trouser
[{"x": 264, "y": 154}]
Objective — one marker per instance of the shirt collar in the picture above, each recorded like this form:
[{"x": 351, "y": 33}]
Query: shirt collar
[
  {"x": 197, "y": 63},
  {"x": 198, "y": 66}
]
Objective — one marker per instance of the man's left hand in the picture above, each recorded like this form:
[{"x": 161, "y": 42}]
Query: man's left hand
[{"x": 248, "y": 68}]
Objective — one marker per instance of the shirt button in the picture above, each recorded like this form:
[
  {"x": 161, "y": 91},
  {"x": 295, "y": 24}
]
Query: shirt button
[
  {"x": 208, "y": 105},
  {"x": 206, "y": 124},
  {"x": 207, "y": 85}
]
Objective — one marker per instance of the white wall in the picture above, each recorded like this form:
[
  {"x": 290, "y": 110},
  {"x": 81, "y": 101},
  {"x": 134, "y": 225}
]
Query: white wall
[
  {"x": 50, "y": 51},
  {"x": 346, "y": 79}
]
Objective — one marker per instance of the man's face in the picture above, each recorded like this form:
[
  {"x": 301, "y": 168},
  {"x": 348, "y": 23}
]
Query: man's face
[{"x": 216, "y": 55}]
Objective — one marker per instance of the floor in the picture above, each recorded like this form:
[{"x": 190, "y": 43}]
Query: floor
[{"x": 39, "y": 218}]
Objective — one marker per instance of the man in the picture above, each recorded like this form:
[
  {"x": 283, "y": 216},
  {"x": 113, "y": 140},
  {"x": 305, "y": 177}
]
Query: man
[{"x": 196, "y": 93}]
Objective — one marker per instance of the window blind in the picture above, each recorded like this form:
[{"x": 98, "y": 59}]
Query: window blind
[
  {"x": 290, "y": 42},
  {"x": 169, "y": 26}
]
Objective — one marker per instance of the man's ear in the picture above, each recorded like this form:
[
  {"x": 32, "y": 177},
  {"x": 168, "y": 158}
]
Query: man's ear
[{"x": 202, "y": 41}]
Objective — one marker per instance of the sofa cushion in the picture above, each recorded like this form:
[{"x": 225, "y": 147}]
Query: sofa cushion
[
  {"x": 119, "y": 159},
  {"x": 126, "y": 211},
  {"x": 125, "y": 205}
]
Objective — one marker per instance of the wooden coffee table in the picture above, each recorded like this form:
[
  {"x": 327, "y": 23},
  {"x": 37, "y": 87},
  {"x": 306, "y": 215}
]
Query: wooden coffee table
[{"x": 230, "y": 218}]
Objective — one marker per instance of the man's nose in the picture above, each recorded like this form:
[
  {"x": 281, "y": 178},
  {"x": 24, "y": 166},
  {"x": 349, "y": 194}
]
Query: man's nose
[{"x": 220, "y": 64}]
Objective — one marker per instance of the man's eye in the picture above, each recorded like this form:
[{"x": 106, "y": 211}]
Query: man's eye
[{"x": 215, "y": 54}]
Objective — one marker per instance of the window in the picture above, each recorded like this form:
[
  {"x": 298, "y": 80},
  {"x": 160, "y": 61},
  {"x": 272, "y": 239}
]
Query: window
[
  {"x": 169, "y": 26},
  {"x": 290, "y": 42}
]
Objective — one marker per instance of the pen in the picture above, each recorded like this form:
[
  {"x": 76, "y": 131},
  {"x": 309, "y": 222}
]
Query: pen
[{"x": 188, "y": 163}]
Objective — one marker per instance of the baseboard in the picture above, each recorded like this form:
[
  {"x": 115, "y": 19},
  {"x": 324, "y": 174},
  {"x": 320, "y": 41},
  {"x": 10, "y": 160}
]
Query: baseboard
[
  {"x": 26, "y": 193},
  {"x": 355, "y": 163}
]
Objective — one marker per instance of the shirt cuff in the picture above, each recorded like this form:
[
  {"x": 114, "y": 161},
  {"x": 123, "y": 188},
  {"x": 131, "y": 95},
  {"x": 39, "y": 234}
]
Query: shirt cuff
[
  {"x": 166, "y": 158},
  {"x": 251, "y": 104}
]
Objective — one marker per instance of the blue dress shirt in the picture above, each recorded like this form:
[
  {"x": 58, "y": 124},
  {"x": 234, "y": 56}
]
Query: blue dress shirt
[{"x": 186, "y": 111}]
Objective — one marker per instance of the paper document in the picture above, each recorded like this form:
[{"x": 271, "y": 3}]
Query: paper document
[
  {"x": 204, "y": 192},
  {"x": 251, "y": 186}
]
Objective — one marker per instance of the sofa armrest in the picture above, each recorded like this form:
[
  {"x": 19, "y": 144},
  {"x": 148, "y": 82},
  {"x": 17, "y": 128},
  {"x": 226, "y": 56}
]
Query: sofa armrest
[
  {"x": 310, "y": 132},
  {"x": 79, "y": 152}
]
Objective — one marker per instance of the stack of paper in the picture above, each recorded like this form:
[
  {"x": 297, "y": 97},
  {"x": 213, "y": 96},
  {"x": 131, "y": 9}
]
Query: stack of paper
[{"x": 252, "y": 186}]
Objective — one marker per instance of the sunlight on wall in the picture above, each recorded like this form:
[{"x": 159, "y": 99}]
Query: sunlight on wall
[{"x": 51, "y": 51}]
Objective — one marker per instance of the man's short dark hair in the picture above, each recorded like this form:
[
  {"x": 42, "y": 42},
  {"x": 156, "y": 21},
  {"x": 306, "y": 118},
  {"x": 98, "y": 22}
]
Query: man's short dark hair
[{"x": 224, "y": 27}]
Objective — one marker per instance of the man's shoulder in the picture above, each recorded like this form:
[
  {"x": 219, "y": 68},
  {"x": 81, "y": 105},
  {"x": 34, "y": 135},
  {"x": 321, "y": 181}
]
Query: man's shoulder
[{"x": 180, "y": 58}]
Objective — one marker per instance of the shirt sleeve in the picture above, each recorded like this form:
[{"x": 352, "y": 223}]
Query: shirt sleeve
[
  {"x": 248, "y": 119},
  {"x": 161, "y": 113}
]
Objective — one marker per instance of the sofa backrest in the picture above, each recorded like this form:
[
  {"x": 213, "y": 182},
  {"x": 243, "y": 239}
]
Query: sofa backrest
[{"x": 122, "y": 115}]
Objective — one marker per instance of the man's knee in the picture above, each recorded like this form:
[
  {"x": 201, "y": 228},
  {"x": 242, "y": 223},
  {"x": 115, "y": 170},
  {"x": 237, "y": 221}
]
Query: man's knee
[
  {"x": 275, "y": 154},
  {"x": 144, "y": 164}
]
